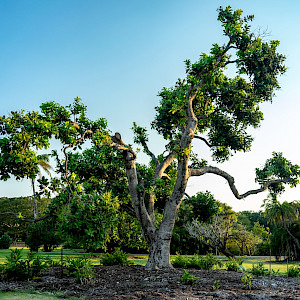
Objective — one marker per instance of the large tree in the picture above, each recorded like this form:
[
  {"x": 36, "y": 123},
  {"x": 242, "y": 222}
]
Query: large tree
[
  {"x": 210, "y": 106},
  {"x": 207, "y": 105}
]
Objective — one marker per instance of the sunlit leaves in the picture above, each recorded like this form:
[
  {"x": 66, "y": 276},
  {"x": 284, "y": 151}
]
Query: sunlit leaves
[
  {"x": 224, "y": 106},
  {"x": 278, "y": 167}
]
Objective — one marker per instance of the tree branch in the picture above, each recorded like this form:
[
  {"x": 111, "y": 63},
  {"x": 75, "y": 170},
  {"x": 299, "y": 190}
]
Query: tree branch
[
  {"x": 17, "y": 215},
  {"x": 204, "y": 140},
  {"x": 230, "y": 180}
]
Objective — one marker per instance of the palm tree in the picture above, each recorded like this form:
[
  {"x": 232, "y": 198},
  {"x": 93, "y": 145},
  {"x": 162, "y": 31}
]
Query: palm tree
[
  {"x": 42, "y": 162},
  {"x": 282, "y": 214}
]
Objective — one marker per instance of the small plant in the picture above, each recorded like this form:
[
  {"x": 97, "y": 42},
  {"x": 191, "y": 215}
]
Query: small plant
[
  {"x": 275, "y": 272},
  {"x": 235, "y": 264},
  {"x": 187, "y": 278},
  {"x": 246, "y": 279},
  {"x": 259, "y": 270},
  {"x": 294, "y": 271},
  {"x": 5, "y": 241},
  {"x": 216, "y": 285},
  {"x": 117, "y": 258},
  {"x": 81, "y": 268}
]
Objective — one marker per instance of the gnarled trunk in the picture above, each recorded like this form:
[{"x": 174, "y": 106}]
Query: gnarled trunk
[{"x": 159, "y": 253}]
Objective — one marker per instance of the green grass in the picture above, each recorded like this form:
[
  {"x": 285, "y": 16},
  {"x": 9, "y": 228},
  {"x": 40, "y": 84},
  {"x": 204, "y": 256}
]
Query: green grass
[{"x": 32, "y": 295}]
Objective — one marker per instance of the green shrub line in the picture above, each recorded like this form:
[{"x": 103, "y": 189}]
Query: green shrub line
[{"x": 255, "y": 266}]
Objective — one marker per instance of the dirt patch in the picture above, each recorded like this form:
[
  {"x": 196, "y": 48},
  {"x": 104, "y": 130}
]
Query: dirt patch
[{"x": 134, "y": 282}]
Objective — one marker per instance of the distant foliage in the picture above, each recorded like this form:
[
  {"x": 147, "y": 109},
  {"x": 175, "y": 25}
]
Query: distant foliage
[
  {"x": 43, "y": 233},
  {"x": 5, "y": 241}
]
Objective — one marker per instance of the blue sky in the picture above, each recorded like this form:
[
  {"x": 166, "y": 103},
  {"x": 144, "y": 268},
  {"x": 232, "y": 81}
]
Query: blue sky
[{"x": 117, "y": 55}]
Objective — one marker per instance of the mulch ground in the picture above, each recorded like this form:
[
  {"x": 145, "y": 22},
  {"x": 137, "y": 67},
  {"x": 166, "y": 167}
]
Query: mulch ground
[{"x": 134, "y": 282}]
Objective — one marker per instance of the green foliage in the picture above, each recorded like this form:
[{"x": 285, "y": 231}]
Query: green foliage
[
  {"x": 20, "y": 132},
  {"x": 16, "y": 268},
  {"x": 278, "y": 167},
  {"x": 92, "y": 221},
  {"x": 16, "y": 227},
  {"x": 235, "y": 264},
  {"x": 294, "y": 271},
  {"x": 196, "y": 262},
  {"x": 203, "y": 206},
  {"x": 246, "y": 279},
  {"x": 81, "y": 268},
  {"x": 259, "y": 270},
  {"x": 216, "y": 285},
  {"x": 43, "y": 233},
  {"x": 5, "y": 241},
  {"x": 187, "y": 278},
  {"x": 118, "y": 257},
  {"x": 225, "y": 107}
]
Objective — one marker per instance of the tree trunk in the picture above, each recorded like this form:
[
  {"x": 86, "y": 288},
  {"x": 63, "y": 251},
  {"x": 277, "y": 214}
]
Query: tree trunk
[
  {"x": 34, "y": 200},
  {"x": 159, "y": 253}
]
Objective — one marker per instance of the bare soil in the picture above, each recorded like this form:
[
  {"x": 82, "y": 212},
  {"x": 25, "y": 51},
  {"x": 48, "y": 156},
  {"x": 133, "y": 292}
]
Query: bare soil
[{"x": 134, "y": 282}]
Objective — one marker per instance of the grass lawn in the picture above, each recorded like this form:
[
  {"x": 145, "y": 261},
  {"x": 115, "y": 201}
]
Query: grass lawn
[{"x": 32, "y": 295}]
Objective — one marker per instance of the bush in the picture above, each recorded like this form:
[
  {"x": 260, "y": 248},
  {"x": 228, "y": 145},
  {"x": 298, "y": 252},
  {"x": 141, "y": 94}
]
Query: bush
[
  {"x": 259, "y": 270},
  {"x": 235, "y": 264},
  {"x": 197, "y": 262},
  {"x": 294, "y": 271},
  {"x": 118, "y": 257},
  {"x": 5, "y": 241},
  {"x": 81, "y": 268},
  {"x": 16, "y": 268}
]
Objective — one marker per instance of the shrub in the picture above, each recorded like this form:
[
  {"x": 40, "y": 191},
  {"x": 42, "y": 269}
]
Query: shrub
[
  {"x": 5, "y": 241},
  {"x": 16, "y": 268},
  {"x": 197, "y": 262},
  {"x": 118, "y": 257},
  {"x": 81, "y": 268},
  {"x": 294, "y": 271},
  {"x": 235, "y": 264},
  {"x": 259, "y": 270},
  {"x": 180, "y": 261},
  {"x": 187, "y": 278}
]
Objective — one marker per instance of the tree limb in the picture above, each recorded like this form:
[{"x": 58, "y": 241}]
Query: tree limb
[
  {"x": 204, "y": 140},
  {"x": 230, "y": 180},
  {"x": 17, "y": 215}
]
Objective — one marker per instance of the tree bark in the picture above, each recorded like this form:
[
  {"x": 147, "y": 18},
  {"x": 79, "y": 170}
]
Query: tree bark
[
  {"x": 159, "y": 253},
  {"x": 34, "y": 200}
]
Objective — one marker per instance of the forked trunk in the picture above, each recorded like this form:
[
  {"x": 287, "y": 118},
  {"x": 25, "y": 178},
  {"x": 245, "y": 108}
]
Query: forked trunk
[{"x": 159, "y": 254}]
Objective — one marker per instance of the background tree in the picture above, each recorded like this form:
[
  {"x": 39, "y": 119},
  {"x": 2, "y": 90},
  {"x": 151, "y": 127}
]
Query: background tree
[
  {"x": 283, "y": 215},
  {"x": 203, "y": 207},
  {"x": 42, "y": 162},
  {"x": 216, "y": 232},
  {"x": 11, "y": 208}
]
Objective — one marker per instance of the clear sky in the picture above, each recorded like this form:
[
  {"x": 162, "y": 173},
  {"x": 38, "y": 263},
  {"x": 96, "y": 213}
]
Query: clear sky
[{"x": 117, "y": 55}]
